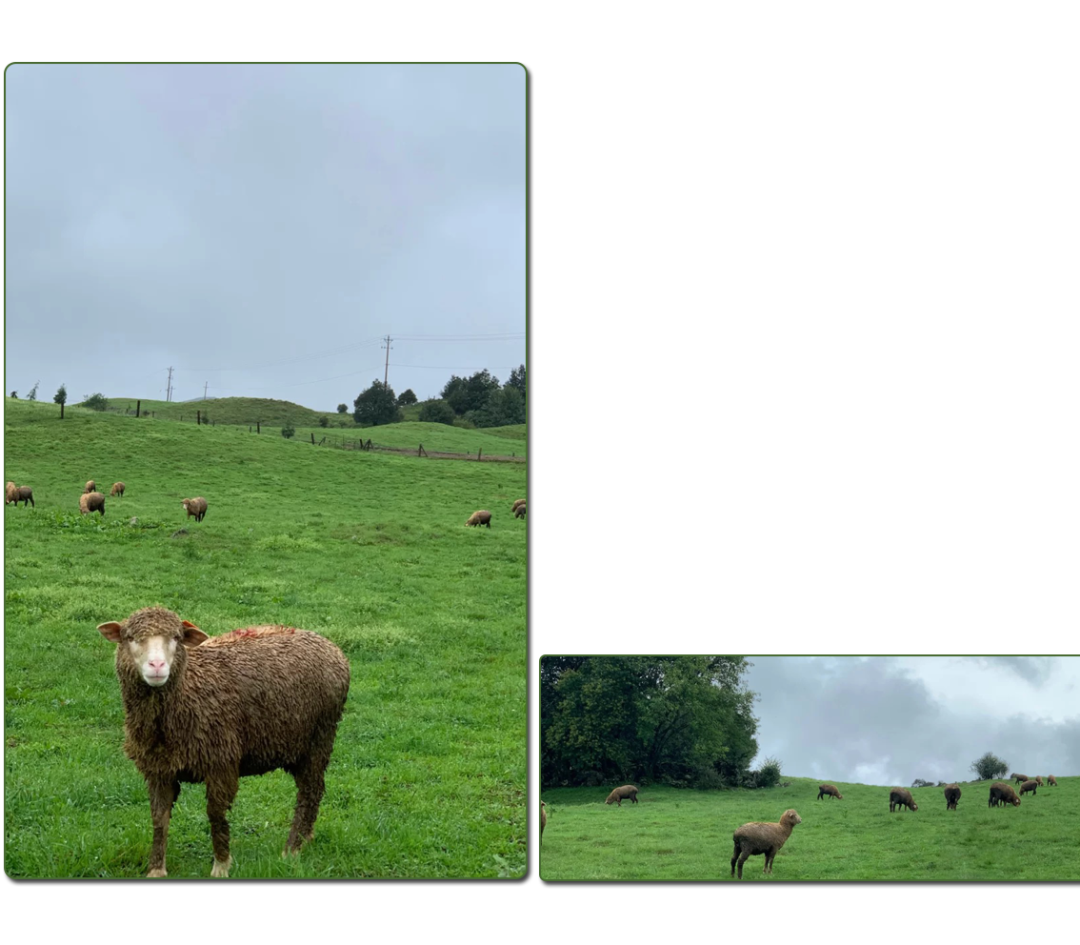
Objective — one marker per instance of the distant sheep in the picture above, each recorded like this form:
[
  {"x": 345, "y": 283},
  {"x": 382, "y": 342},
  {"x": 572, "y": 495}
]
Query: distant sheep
[
  {"x": 1039, "y": 780},
  {"x": 831, "y": 790},
  {"x": 1019, "y": 778},
  {"x": 901, "y": 797},
  {"x": 543, "y": 820},
  {"x": 481, "y": 517},
  {"x": 91, "y": 486},
  {"x": 952, "y": 797},
  {"x": 1003, "y": 794},
  {"x": 22, "y": 494},
  {"x": 519, "y": 512},
  {"x": 517, "y": 502},
  {"x": 756, "y": 838},
  {"x": 1052, "y": 781},
  {"x": 196, "y": 507},
  {"x": 118, "y": 489},
  {"x": 92, "y": 502},
  {"x": 9, "y": 493},
  {"x": 1029, "y": 787},
  {"x": 200, "y": 709},
  {"x": 626, "y": 791}
]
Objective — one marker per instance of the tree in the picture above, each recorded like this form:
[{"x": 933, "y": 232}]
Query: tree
[
  {"x": 504, "y": 406},
  {"x": 469, "y": 394},
  {"x": 407, "y": 397},
  {"x": 59, "y": 398},
  {"x": 989, "y": 766},
  {"x": 96, "y": 402},
  {"x": 436, "y": 411},
  {"x": 33, "y": 394},
  {"x": 517, "y": 380},
  {"x": 324, "y": 421},
  {"x": 14, "y": 395},
  {"x": 376, "y": 405},
  {"x": 342, "y": 408},
  {"x": 288, "y": 430}
]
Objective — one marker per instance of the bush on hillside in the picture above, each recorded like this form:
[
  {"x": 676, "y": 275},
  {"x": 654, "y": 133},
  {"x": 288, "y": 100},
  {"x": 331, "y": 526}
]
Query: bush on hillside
[
  {"x": 437, "y": 411},
  {"x": 769, "y": 773},
  {"x": 288, "y": 431},
  {"x": 990, "y": 766},
  {"x": 919, "y": 782},
  {"x": 96, "y": 402}
]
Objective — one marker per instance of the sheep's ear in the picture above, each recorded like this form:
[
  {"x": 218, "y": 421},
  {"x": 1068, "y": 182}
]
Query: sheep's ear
[
  {"x": 110, "y": 630},
  {"x": 193, "y": 636}
]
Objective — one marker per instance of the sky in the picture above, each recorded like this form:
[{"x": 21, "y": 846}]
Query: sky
[
  {"x": 890, "y": 720},
  {"x": 261, "y": 229}
]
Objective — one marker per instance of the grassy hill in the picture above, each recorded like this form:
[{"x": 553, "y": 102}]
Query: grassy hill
[
  {"x": 687, "y": 835},
  {"x": 369, "y": 549}
]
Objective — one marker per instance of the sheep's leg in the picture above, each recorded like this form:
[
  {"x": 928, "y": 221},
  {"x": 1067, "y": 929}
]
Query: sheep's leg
[
  {"x": 220, "y": 791},
  {"x": 742, "y": 859},
  {"x": 734, "y": 857},
  {"x": 310, "y": 786},
  {"x": 162, "y": 796}
]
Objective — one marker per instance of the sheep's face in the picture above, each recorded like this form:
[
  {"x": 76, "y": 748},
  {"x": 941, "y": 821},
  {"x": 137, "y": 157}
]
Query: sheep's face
[
  {"x": 791, "y": 817},
  {"x": 148, "y": 641}
]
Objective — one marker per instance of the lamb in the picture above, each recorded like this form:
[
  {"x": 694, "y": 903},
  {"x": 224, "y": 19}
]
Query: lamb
[
  {"x": 481, "y": 517},
  {"x": 118, "y": 489},
  {"x": 517, "y": 502},
  {"x": 627, "y": 790},
  {"x": 756, "y": 838},
  {"x": 1002, "y": 794},
  {"x": 196, "y": 507},
  {"x": 1052, "y": 781},
  {"x": 9, "y": 493},
  {"x": 92, "y": 502},
  {"x": 899, "y": 797},
  {"x": 201, "y": 709},
  {"x": 952, "y": 797},
  {"x": 519, "y": 512},
  {"x": 831, "y": 790},
  {"x": 24, "y": 494},
  {"x": 1027, "y": 786},
  {"x": 1019, "y": 778},
  {"x": 91, "y": 486},
  {"x": 543, "y": 820}
]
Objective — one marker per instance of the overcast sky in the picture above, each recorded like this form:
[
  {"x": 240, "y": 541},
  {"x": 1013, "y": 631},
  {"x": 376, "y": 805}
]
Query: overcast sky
[
  {"x": 262, "y": 228},
  {"x": 890, "y": 720}
]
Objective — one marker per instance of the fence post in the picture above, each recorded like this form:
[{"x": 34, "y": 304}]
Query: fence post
[
  {"x": 479, "y": 454},
  {"x": 312, "y": 439},
  {"x": 138, "y": 407},
  {"x": 258, "y": 426},
  {"x": 198, "y": 418}
]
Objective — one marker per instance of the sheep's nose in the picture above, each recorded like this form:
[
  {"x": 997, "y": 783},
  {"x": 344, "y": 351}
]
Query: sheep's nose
[{"x": 156, "y": 664}]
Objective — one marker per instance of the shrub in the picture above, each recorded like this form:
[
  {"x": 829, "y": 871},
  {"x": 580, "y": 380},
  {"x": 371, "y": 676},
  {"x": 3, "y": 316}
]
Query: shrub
[
  {"x": 919, "y": 782},
  {"x": 437, "y": 411},
  {"x": 342, "y": 408},
  {"x": 96, "y": 402},
  {"x": 989, "y": 766},
  {"x": 324, "y": 421},
  {"x": 288, "y": 431},
  {"x": 769, "y": 773}
]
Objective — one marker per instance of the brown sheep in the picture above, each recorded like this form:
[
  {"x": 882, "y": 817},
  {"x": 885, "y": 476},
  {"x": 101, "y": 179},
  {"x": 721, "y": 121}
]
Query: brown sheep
[
  {"x": 481, "y": 517},
  {"x": 1052, "y": 781},
  {"x": 952, "y": 797},
  {"x": 118, "y": 489},
  {"x": 901, "y": 797},
  {"x": 1029, "y": 786},
  {"x": 756, "y": 838},
  {"x": 92, "y": 502},
  {"x": 1002, "y": 794},
  {"x": 1019, "y": 778},
  {"x": 519, "y": 512},
  {"x": 517, "y": 502},
  {"x": 200, "y": 709},
  {"x": 543, "y": 820},
  {"x": 616, "y": 796},
  {"x": 831, "y": 790},
  {"x": 196, "y": 507},
  {"x": 24, "y": 494},
  {"x": 9, "y": 493},
  {"x": 91, "y": 486},
  {"x": 1039, "y": 780}
]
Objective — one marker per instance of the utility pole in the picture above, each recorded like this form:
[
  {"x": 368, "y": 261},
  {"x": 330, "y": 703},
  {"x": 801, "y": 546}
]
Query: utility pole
[
  {"x": 386, "y": 373},
  {"x": 168, "y": 391},
  {"x": 204, "y": 390}
]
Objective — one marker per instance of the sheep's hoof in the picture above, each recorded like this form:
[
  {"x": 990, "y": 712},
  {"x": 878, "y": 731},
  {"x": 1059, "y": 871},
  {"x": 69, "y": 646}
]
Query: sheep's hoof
[
  {"x": 221, "y": 869},
  {"x": 156, "y": 874}
]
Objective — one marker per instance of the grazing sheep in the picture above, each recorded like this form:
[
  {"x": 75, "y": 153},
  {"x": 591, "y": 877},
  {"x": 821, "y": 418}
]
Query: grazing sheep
[
  {"x": 627, "y": 790},
  {"x": 517, "y": 502},
  {"x": 1039, "y": 780},
  {"x": 543, "y": 820},
  {"x": 196, "y": 507},
  {"x": 24, "y": 494},
  {"x": 1019, "y": 778},
  {"x": 1002, "y": 794},
  {"x": 1029, "y": 786},
  {"x": 831, "y": 790},
  {"x": 92, "y": 502},
  {"x": 118, "y": 489},
  {"x": 519, "y": 512},
  {"x": 756, "y": 838},
  {"x": 952, "y": 797},
  {"x": 900, "y": 797},
  {"x": 91, "y": 486},
  {"x": 9, "y": 493},
  {"x": 1052, "y": 781},
  {"x": 481, "y": 517},
  {"x": 201, "y": 709}
]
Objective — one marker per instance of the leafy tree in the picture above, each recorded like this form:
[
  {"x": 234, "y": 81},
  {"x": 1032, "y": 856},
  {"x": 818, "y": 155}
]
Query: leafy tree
[
  {"x": 342, "y": 408},
  {"x": 436, "y": 411},
  {"x": 324, "y": 421},
  {"x": 376, "y": 405},
  {"x": 288, "y": 430},
  {"x": 517, "y": 380},
  {"x": 33, "y": 394},
  {"x": 504, "y": 406},
  {"x": 59, "y": 398},
  {"x": 989, "y": 766},
  {"x": 14, "y": 395},
  {"x": 407, "y": 397},
  {"x": 470, "y": 394},
  {"x": 768, "y": 775},
  {"x": 96, "y": 402}
]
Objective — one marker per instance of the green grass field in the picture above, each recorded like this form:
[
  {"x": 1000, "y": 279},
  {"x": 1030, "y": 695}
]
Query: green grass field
[
  {"x": 429, "y": 770},
  {"x": 674, "y": 834}
]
